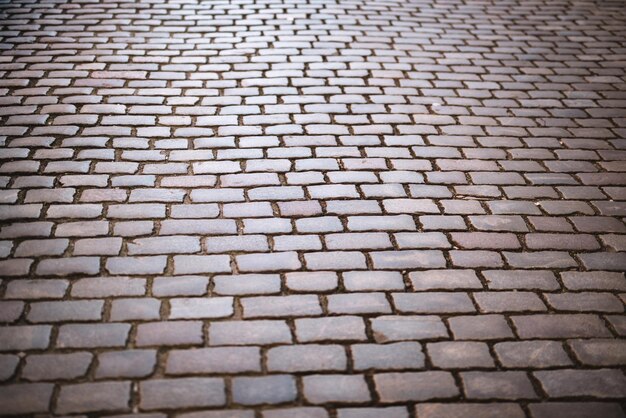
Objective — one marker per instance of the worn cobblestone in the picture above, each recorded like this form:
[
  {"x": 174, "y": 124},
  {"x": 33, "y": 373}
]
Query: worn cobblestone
[{"x": 312, "y": 208}]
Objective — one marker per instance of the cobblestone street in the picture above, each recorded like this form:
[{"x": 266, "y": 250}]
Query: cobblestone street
[{"x": 313, "y": 208}]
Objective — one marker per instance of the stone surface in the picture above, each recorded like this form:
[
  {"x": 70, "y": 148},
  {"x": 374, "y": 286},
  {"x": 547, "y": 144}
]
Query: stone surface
[{"x": 305, "y": 208}]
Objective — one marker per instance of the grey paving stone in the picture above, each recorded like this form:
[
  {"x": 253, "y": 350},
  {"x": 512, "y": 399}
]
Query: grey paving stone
[
  {"x": 460, "y": 355},
  {"x": 274, "y": 389},
  {"x": 395, "y": 356},
  {"x": 306, "y": 358},
  {"x": 169, "y": 333},
  {"x": 312, "y": 209},
  {"x": 490, "y": 410},
  {"x": 99, "y": 396},
  {"x": 497, "y": 385},
  {"x": 92, "y": 335},
  {"x": 331, "y": 388},
  {"x": 25, "y": 337},
  {"x": 54, "y": 367},
  {"x": 249, "y": 332},
  {"x": 600, "y": 383},
  {"x": 126, "y": 364},
  {"x": 576, "y": 409},
  {"x": 415, "y": 386},
  {"x": 214, "y": 360},
  {"x": 26, "y": 398},
  {"x": 193, "y": 308},
  {"x": 182, "y": 393},
  {"x": 399, "y": 328}
]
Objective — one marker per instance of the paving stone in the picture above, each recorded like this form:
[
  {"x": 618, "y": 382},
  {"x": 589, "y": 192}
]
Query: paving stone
[
  {"x": 76, "y": 311},
  {"x": 391, "y": 412},
  {"x": 395, "y": 356},
  {"x": 372, "y": 280},
  {"x": 56, "y": 366},
  {"x": 576, "y": 409},
  {"x": 180, "y": 286},
  {"x": 533, "y": 354},
  {"x": 432, "y": 302},
  {"x": 355, "y": 241},
  {"x": 603, "y": 261},
  {"x": 416, "y": 386},
  {"x": 358, "y": 303},
  {"x": 491, "y": 410},
  {"x": 585, "y": 302},
  {"x": 444, "y": 279},
  {"x": 593, "y": 280},
  {"x": 304, "y": 412},
  {"x": 598, "y": 352},
  {"x": 497, "y": 302},
  {"x": 136, "y": 265},
  {"x": 497, "y": 385},
  {"x": 268, "y": 262},
  {"x": 247, "y": 284},
  {"x": 214, "y": 360},
  {"x": 193, "y": 264},
  {"x": 192, "y": 308},
  {"x": 249, "y": 332},
  {"x": 399, "y": 328},
  {"x": 68, "y": 266},
  {"x": 277, "y": 306},
  {"x": 182, "y": 393},
  {"x": 170, "y": 333},
  {"x": 335, "y": 260},
  {"x": 100, "y": 396},
  {"x": 92, "y": 335},
  {"x": 10, "y": 311},
  {"x": 318, "y": 281},
  {"x": 126, "y": 364},
  {"x": 26, "y": 398},
  {"x": 25, "y": 337},
  {"x": 275, "y": 389},
  {"x": 135, "y": 309},
  {"x": 306, "y": 358},
  {"x": 102, "y": 287},
  {"x": 559, "y": 326},
  {"x": 320, "y": 389},
  {"x": 340, "y": 328},
  {"x": 460, "y": 355},
  {"x": 244, "y": 243},
  {"x": 408, "y": 259},
  {"x": 163, "y": 245},
  {"x": 600, "y": 383},
  {"x": 480, "y": 327},
  {"x": 8, "y": 366},
  {"x": 515, "y": 279}
]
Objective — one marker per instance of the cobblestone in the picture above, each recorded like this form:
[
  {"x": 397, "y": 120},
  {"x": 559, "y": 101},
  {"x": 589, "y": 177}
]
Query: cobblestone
[{"x": 312, "y": 209}]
